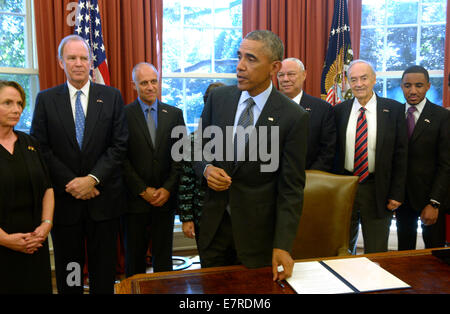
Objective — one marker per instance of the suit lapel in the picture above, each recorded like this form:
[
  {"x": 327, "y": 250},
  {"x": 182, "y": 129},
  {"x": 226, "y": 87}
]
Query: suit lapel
[
  {"x": 95, "y": 105},
  {"x": 343, "y": 125},
  {"x": 383, "y": 113},
  {"x": 228, "y": 115},
  {"x": 425, "y": 118},
  {"x": 163, "y": 115},
  {"x": 64, "y": 111}
]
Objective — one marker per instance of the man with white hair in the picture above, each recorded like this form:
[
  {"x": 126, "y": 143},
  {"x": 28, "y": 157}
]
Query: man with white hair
[
  {"x": 322, "y": 128},
  {"x": 372, "y": 144}
]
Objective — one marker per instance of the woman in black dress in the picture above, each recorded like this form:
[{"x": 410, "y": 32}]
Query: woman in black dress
[{"x": 26, "y": 203}]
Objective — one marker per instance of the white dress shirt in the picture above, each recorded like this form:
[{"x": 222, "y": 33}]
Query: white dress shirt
[
  {"x": 371, "y": 118},
  {"x": 260, "y": 101},
  {"x": 298, "y": 98},
  {"x": 83, "y": 97},
  {"x": 419, "y": 110}
]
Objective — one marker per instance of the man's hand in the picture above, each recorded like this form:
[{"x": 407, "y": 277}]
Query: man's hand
[
  {"x": 282, "y": 258},
  {"x": 82, "y": 188},
  {"x": 393, "y": 204},
  {"x": 429, "y": 215},
  {"x": 147, "y": 195},
  {"x": 160, "y": 197},
  {"x": 189, "y": 229},
  {"x": 217, "y": 178}
]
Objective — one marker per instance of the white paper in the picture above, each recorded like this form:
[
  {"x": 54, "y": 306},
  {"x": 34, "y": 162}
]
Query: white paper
[
  {"x": 365, "y": 275},
  {"x": 313, "y": 278}
]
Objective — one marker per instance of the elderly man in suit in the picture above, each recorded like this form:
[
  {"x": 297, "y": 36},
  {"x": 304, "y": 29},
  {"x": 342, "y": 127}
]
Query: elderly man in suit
[
  {"x": 372, "y": 144},
  {"x": 82, "y": 129},
  {"x": 428, "y": 164},
  {"x": 251, "y": 214},
  {"x": 151, "y": 175},
  {"x": 322, "y": 128}
]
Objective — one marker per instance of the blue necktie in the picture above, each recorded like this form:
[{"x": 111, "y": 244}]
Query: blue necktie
[
  {"x": 79, "y": 119},
  {"x": 151, "y": 125}
]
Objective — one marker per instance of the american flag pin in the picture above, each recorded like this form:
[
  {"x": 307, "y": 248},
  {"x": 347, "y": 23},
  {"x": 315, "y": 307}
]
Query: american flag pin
[
  {"x": 270, "y": 119},
  {"x": 386, "y": 110},
  {"x": 308, "y": 109},
  {"x": 427, "y": 121},
  {"x": 164, "y": 110},
  {"x": 99, "y": 100}
]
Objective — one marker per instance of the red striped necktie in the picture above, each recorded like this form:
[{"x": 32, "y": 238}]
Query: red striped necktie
[{"x": 361, "y": 165}]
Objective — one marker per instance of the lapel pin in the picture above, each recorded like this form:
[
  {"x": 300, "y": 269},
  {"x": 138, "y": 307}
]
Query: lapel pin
[
  {"x": 308, "y": 109},
  {"x": 427, "y": 121},
  {"x": 31, "y": 148},
  {"x": 386, "y": 110},
  {"x": 99, "y": 100},
  {"x": 270, "y": 119},
  {"x": 164, "y": 110}
]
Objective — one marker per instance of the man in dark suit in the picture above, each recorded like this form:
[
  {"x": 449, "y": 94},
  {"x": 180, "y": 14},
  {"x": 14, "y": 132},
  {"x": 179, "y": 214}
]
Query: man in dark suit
[
  {"x": 251, "y": 213},
  {"x": 151, "y": 175},
  {"x": 322, "y": 128},
  {"x": 82, "y": 130},
  {"x": 428, "y": 164},
  {"x": 372, "y": 144}
]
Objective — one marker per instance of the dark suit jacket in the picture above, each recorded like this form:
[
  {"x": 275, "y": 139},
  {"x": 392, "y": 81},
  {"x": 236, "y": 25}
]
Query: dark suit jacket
[
  {"x": 391, "y": 149},
  {"x": 321, "y": 135},
  {"x": 148, "y": 166},
  {"x": 429, "y": 157},
  {"x": 265, "y": 206},
  {"x": 102, "y": 153}
]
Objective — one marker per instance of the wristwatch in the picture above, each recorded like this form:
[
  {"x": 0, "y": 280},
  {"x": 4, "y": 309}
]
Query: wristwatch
[{"x": 435, "y": 204}]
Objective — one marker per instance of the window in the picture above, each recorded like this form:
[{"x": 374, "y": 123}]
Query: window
[
  {"x": 201, "y": 39},
  {"x": 396, "y": 34},
  {"x": 17, "y": 54}
]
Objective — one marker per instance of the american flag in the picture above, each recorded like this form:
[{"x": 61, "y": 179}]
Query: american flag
[
  {"x": 334, "y": 84},
  {"x": 88, "y": 25}
]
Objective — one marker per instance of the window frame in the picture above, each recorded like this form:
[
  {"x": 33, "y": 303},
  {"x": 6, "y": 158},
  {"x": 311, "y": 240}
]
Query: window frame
[
  {"x": 199, "y": 75},
  {"x": 32, "y": 69},
  {"x": 383, "y": 76}
]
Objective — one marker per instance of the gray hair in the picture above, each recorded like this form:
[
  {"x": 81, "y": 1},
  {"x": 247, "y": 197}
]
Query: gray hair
[
  {"x": 271, "y": 41},
  {"x": 298, "y": 61},
  {"x": 361, "y": 61},
  {"x": 138, "y": 66},
  {"x": 70, "y": 38}
]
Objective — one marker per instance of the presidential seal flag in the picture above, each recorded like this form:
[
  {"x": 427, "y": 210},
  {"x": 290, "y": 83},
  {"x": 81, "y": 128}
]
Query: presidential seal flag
[
  {"x": 88, "y": 25},
  {"x": 334, "y": 84}
]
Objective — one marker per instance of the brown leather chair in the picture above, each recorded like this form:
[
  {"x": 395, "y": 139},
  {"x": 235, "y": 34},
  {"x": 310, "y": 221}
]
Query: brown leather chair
[{"x": 324, "y": 227}]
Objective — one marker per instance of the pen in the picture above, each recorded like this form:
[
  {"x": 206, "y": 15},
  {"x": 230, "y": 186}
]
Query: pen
[{"x": 280, "y": 283}]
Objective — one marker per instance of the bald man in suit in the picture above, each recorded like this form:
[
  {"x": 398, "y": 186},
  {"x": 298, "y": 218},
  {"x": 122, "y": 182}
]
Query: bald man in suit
[
  {"x": 151, "y": 175},
  {"x": 372, "y": 144}
]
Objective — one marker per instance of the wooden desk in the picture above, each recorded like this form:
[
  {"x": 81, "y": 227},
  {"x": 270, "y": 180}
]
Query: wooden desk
[{"x": 421, "y": 270}]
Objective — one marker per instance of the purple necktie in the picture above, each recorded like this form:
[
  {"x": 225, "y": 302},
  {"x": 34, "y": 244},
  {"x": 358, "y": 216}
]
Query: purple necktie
[{"x": 410, "y": 120}]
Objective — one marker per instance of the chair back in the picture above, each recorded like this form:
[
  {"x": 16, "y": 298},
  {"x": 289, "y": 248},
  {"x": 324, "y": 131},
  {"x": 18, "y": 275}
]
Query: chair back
[{"x": 324, "y": 227}]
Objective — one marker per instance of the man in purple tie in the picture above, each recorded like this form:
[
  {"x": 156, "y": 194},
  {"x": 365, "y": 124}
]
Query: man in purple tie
[
  {"x": 371, "y": 144},
  {"x": 428, "y": 164}
]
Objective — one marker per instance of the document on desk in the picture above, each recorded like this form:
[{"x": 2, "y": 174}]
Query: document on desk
[{"x": 349, "y": 275}]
